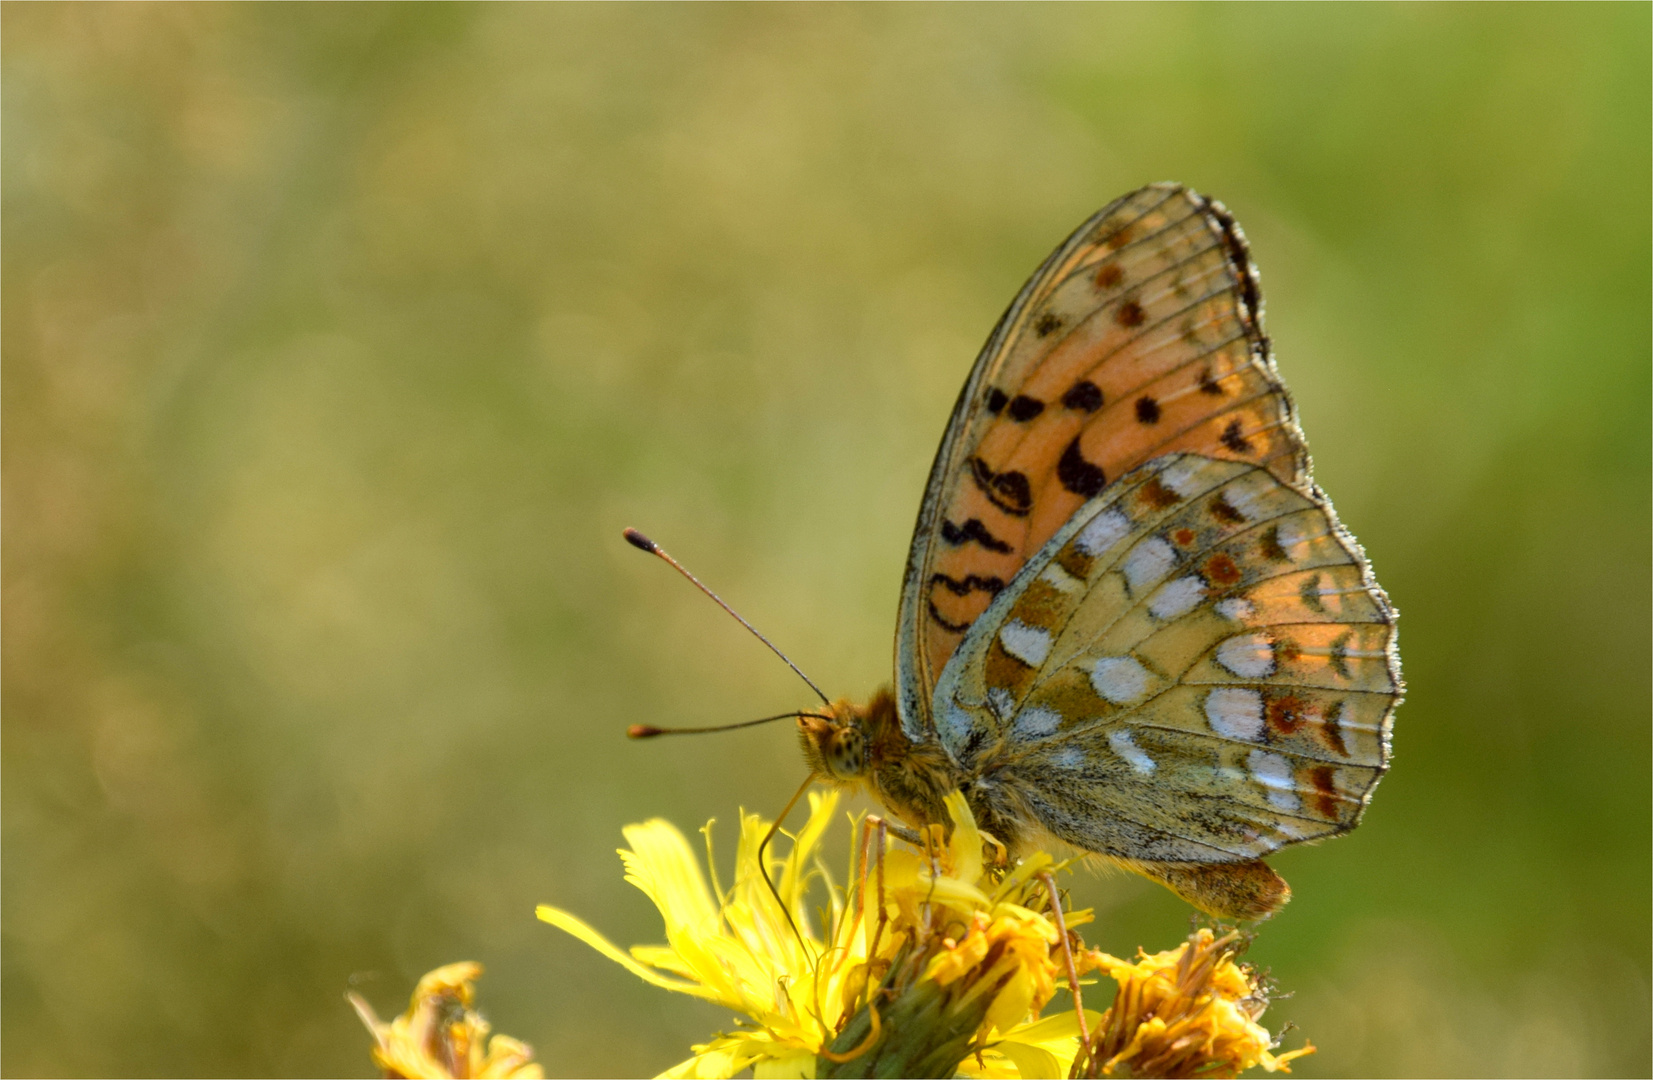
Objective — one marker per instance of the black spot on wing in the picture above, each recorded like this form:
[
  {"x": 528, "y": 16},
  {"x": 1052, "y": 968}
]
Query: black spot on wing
[
  {"x": 1271, "y": 547},
  {"x": 995, "y": 402},
  {"x": 1024, "y": 408},
  {"x": 957, "y": 628},
  {"x": 1009, "y": 490},
  {"x": 1340, "y": 655},
  {"x": 1234, "y": 440},
  {"x": 1309, "y": 593},
  {"x": 1147, "y": 410},
  {"x": 971, "y": 583},
  {"x": 972, "y": 529},
  {"x": 1084, "y": 396},
  {"x": 1047, "y": 325},
  {"x": 1078, "y": 475},
  {"x": 1333, "y": 729},
  {"x": 1208, "y": 384}
]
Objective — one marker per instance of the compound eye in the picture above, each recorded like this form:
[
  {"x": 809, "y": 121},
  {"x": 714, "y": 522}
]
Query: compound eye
[{"x": 848, "y": 753}]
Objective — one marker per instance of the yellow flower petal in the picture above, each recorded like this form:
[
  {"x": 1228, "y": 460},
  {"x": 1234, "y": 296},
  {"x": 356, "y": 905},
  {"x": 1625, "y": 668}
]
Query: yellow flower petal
[
  {"x": 794, "y": 1066},
  {"x": 1064, "y": 1025},
  {"x": 661, "y": 863},
  {"x": 562, "y": 920},
  {"x": 711, "y": 1065},
  {"x": 966, "y": 844},
  {"x": 821, "y": 806},
  {"x": 1032, "y": 1061}
]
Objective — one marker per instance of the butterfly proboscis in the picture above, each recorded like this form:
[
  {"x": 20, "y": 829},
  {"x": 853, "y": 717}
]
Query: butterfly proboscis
[{"x": 837, "y": 751}]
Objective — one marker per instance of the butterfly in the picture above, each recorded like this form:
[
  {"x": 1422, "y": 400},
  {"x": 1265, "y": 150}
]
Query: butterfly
[{"x": 1131, "y": 622}]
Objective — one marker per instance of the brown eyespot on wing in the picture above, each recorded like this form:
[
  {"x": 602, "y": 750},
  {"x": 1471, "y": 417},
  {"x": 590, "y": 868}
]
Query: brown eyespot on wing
[{"x": 1141, "y": 335}]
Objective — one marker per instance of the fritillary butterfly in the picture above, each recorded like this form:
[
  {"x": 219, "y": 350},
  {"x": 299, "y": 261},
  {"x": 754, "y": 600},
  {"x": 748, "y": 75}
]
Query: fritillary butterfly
[{"x": 1131, "y": 621}]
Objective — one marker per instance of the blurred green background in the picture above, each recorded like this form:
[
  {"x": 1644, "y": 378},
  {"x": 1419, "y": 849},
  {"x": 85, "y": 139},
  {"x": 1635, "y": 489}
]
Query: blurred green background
[{"x": 341, "y": 342}]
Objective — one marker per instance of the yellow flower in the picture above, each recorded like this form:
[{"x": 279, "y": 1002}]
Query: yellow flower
[
  {"x": 440, "y": 1037},
  {"x": 1188, "y": 1011},
  {"x": 949, "y": 976}
]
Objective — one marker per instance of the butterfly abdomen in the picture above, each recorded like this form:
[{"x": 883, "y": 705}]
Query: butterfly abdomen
[{"x": 1236, "y": 890}]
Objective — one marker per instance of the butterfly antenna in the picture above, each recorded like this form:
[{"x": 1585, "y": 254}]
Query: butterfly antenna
[
  {"x": 643, "y": 543},
  {"x": 649, "y": 731}
]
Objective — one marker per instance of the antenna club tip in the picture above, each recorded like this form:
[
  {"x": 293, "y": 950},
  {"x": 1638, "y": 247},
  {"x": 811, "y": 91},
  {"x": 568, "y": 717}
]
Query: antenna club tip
[
  {"x": 643, "y": 731},
  {"x": 639, "y": 541}
]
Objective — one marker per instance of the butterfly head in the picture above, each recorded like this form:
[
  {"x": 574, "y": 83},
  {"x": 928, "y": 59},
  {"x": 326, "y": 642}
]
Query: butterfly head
[{"x": 836, "y": 746}]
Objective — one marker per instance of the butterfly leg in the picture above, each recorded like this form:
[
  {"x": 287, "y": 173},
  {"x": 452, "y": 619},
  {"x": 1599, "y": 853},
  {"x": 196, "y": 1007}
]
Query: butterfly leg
[
  {"x": 861, "y": 884},
  {"x": 1239, "y": 890},
  {"x": 1067, "y": 955},
  {"x": 872, "y": 826},
  {"x": 875, "y": 826},
  {"x": 901, "y": 832}
]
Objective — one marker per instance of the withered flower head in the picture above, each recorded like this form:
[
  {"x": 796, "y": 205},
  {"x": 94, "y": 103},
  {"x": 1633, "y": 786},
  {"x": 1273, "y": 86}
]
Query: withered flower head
[
  {"x": 441, "y": 1037},
  {"x": 1189, "y": 1011}
]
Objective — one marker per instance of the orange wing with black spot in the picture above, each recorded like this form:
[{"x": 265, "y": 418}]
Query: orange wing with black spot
[{"x": 1141, "y": 335}]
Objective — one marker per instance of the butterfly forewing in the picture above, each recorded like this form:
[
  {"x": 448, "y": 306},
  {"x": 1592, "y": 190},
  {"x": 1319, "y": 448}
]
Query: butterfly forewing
[
  {"x": 1140, "y": 336},
  {"x": 1196, "y": 667}
]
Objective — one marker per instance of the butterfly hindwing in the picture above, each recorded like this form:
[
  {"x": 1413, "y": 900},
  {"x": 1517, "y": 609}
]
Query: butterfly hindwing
[
  {"x": 1140, "y": 336},
  {"x": 1197, "y": 667}
]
